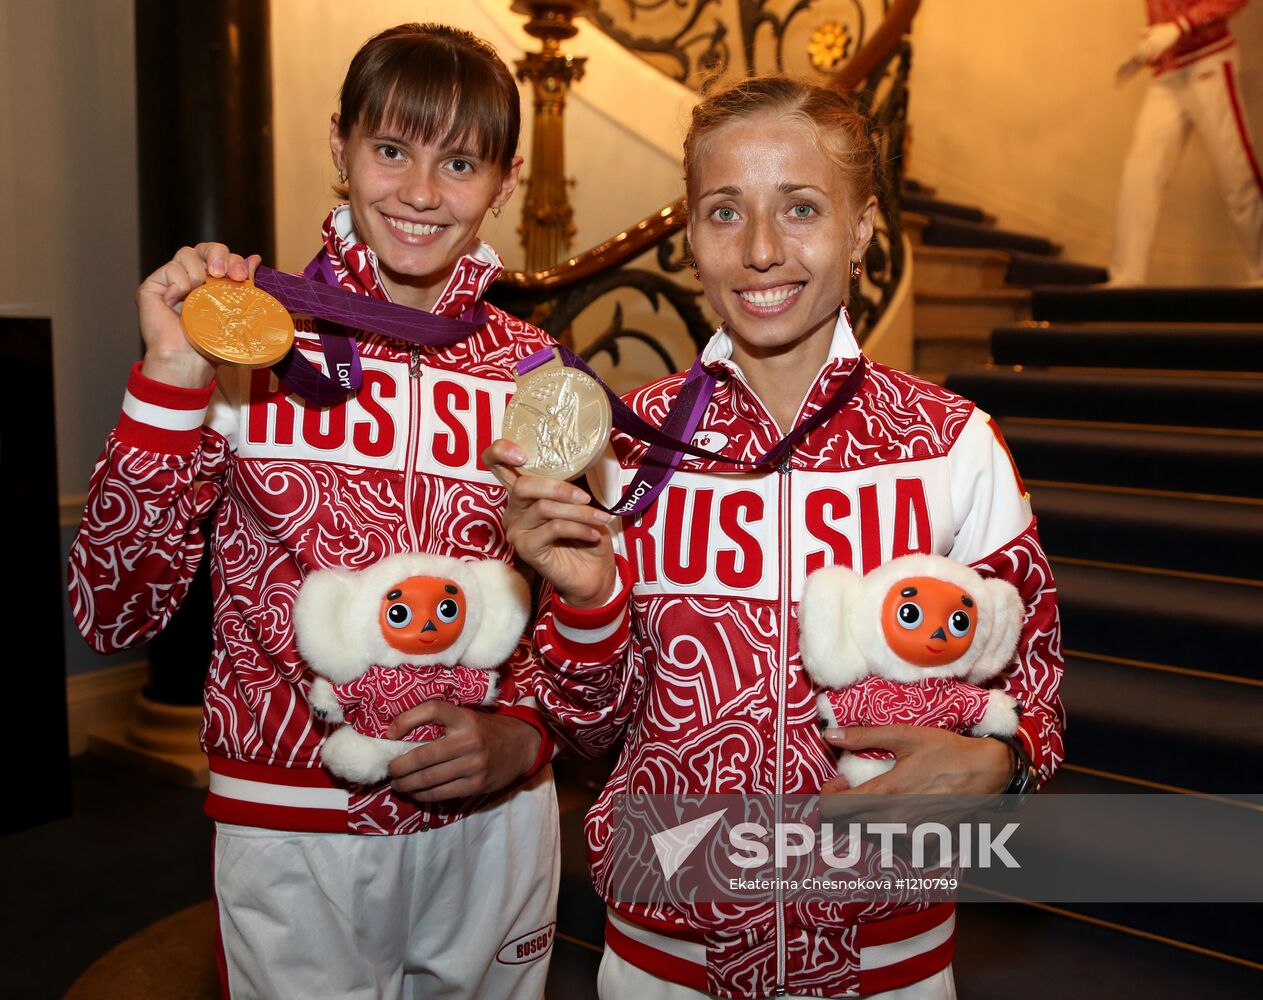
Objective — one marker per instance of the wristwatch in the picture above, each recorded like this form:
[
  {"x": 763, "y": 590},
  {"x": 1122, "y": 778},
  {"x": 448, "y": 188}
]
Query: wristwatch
[{"x": 1022, "y": 783}]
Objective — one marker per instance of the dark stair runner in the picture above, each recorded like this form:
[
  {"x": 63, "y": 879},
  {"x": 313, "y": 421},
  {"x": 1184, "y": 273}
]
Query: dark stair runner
[
  {"x": 1033, "y": 260},
  {"x": 1132, "y": 345},
  {"x": 1155, "y": 530}
]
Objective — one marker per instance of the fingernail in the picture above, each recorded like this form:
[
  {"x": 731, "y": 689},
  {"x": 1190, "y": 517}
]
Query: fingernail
[
  {"x": 578, "y": 496},
  {"x": 516, "y": 455},
  {"x": 216, "y": 268},
  {"x": 601, "y": 517},
  {"x": 834, "y": 733}
]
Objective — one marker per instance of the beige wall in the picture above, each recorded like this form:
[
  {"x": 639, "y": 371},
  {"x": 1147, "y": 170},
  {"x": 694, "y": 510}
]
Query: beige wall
[
  {"x": 68, "y": 204},
  {"x": 1014, "y": 109},
  {"x": 68, "y": 209}
]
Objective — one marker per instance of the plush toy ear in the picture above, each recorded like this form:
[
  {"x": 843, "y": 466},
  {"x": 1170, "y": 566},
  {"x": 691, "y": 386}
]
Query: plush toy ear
[
  {"x": 321, "y": 625},
  {"x": 505, "y": 604},
  {"x": 1005, "y": 615},
  {"x": 825, "y": 630}
]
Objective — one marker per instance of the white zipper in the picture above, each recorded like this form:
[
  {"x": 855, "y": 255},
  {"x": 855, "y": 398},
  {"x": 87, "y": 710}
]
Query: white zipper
[
  {"x": 784, "y": 470},
  {"x": 414, "y": 441},
  {"x": 782, "y": 674},
  {"x": 778, "y": 798}
]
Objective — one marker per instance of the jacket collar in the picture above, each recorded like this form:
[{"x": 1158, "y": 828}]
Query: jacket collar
[
  {"x": 357, "y": 270},
  {"x": 843, "y": 347}
]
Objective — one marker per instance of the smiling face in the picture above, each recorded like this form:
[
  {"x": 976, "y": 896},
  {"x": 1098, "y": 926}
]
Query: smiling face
[
  {"x": 774, "y": 230},
  {"x": 928, "y": 622},
  {"x": 417, "y": 205},
  {"x": 423, "y": 615}
]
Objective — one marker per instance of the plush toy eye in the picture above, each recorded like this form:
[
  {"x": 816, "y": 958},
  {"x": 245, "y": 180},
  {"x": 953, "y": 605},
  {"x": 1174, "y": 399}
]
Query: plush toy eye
[
  {"x": 909, "y": 614},
  {"x": 398, "y": 615},
  {"x": 448, "y": 610},
  {"x": 958, "y": 624}
]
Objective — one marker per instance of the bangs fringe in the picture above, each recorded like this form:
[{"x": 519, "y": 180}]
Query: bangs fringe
[{"x": 429, "y": 94}]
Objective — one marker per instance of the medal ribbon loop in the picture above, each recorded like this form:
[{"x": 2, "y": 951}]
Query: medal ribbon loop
[{"x": 336, "y": 311}]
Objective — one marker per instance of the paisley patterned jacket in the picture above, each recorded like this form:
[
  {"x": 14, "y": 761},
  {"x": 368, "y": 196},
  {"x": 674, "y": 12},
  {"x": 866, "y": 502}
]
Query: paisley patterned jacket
[
  {"x": 288, "y": 489},
  {"x": 694, "y": 668}
]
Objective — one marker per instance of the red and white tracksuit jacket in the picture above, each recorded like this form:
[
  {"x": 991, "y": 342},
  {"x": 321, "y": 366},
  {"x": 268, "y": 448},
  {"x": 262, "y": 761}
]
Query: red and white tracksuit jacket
[
  {"x": 292, "y": 489},
  {"x": 1203, "y": 25},
  {"x": 699, "y": 671}
]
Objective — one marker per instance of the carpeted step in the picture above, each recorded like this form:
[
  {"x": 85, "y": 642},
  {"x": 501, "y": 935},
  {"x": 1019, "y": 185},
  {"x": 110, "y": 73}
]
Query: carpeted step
[
  {"x": 1192, "y": 348},
  {"x": 1222, "y": 929},
  {"x": 1114, "y": 398},
  {"x": 1203, "y": 625},
  {"x": 1202, "y": 535},
  {"x": 1050, "y": 956},
  {"x": 944, "y": 232},
  {"x": 1150, "y": 305},
  {"x": 929, "y": 205},
  {"x": 1170, "y": 461},
  {"x": 1176, "y": 729},
  {"x": 1035, "y": 269}
]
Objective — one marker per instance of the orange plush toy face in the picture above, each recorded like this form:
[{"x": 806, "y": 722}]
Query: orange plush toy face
[
  {"x": 928, "y": 622},
  {"x": 423, "y": 615}
]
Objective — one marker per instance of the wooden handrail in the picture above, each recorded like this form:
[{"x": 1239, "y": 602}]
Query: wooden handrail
[
  {"x": 894, "y": 26},
  {"x": 627, "y": 245}
]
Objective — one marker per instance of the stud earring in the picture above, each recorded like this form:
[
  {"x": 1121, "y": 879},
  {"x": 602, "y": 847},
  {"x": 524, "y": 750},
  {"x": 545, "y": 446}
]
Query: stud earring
[
  {"x": 856, "y": 269},
  {"x": 495, "y": 212},
  {"x": 341, "y": 176},
  {"x": 697, "y": 275}
]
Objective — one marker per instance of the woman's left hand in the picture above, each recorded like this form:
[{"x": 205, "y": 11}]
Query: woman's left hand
[
  {"x": 928, "y": 761},
  {"x": 480, "y": 752}
]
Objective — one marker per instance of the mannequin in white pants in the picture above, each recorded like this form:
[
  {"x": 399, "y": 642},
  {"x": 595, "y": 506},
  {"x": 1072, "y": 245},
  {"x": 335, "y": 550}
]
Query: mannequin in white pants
[{"x": 1194, "y": 87}]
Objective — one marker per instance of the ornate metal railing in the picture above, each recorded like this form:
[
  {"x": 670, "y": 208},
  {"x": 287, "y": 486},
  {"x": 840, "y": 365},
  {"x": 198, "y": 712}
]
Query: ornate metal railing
[
  {"x": 649, "y": 260},
  {"x": 704, "y": 42}
]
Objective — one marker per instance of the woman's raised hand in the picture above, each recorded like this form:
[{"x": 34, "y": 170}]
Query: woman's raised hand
[
  {"x": 169, "y": 357},
  {"x": 554, "y": 530}
]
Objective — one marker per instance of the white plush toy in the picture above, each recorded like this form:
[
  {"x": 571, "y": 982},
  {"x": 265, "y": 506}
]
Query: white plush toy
[
  {"x": 408, "y": 629},
  {"x": 909, "y": 644}
]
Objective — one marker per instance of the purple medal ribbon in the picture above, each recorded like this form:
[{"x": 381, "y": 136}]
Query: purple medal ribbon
[
  {"x": 336, "y": 310},
  {"x": 670, "y": 443}
]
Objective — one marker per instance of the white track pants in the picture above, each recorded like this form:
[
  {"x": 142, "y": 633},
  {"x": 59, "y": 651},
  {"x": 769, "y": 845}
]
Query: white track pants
[
  {"x": 1205, "y": 96},
  {"x": 620, "y": 980},
  {"x": 461, "y": 912}
]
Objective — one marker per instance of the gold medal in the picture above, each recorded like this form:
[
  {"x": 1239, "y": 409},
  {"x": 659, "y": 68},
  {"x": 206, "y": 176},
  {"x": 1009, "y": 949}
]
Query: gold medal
[
  {"x": 560, "y": 417},
  {"x": 234, "y": 322}
]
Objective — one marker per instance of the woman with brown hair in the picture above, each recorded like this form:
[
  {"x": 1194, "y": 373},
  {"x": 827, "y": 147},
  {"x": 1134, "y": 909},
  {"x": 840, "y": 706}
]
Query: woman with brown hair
[{"x": 443, "y": 881}]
